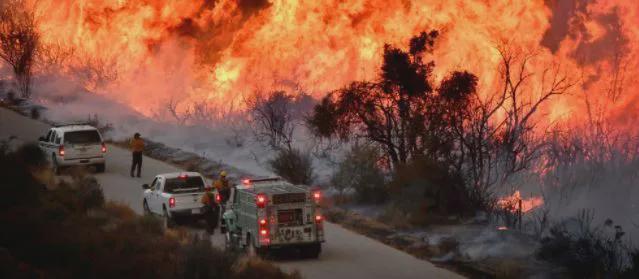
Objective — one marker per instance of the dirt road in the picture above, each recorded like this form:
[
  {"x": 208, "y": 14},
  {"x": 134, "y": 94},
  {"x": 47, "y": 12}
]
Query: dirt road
[{"x": 345, "y": 254}]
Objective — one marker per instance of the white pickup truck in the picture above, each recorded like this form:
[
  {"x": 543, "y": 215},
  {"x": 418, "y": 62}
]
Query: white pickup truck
[{"x": 175, "y": 196}]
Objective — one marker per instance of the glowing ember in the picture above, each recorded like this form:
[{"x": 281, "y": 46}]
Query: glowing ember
[{"x": 512, "y": 202}]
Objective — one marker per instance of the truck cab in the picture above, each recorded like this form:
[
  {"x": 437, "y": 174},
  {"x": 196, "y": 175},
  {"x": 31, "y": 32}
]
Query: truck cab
[{"x": 266, "y": 214}]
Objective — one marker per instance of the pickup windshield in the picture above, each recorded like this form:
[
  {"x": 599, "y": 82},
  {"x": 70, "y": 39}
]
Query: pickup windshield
[
  {"x": 184, "y": 185},
  {"x": 82, "y": 137}
]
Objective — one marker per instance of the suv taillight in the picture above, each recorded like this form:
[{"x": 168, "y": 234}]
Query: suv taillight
[
  {"x": 171, "y": 202},
  {"x": 103, "y": 148},
  {"x": 317, "y": 195},
  {"x": 318, "y": 218},
  {"x": 260, "y": 200},
  {"x": 61, "y": 150}
]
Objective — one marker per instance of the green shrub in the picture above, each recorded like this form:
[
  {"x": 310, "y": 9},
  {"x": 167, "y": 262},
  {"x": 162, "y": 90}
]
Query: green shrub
[
  {"x": 360, "y": 171},
  {"x": 294, "y": 166},
  {"x": 424, "y": 187}
]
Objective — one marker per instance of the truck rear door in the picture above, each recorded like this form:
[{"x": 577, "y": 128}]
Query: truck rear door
[
  {"x": 295, "y": 220},
  {"x": 82, "y": 144},
  {"x": 187, "y": 192}
]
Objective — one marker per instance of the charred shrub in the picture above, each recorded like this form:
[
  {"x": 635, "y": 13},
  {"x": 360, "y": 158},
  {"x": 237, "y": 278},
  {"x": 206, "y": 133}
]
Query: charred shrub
[
  {"x": 293, "y": 165},
  {"x": 587, "y": 251},
  {"x": 360, "y": 171}
]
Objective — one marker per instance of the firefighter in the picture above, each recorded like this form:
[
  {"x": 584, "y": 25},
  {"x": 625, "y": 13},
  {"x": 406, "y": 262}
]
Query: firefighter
[
  {"x": 211, "y": 210},
  {"x": 223, "y": 188},
  {"x": 137, "y": 146}
]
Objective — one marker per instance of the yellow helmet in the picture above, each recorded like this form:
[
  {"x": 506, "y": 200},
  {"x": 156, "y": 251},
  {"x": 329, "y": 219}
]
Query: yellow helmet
[{"x": 223, "y": 173}]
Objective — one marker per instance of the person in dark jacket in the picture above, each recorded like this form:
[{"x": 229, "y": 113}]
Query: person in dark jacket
[
  {"x": 211, "y": 210},
  {"x": 137, "y": 146}
]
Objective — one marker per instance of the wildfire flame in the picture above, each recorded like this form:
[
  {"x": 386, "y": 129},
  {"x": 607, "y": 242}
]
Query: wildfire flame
[
  {"x": 143, "y": 53},
  {"x": 511, "y": 202}
]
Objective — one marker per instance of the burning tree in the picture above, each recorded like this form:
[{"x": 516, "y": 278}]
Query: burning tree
[
  {"x": 393, "y": 112},
  {"x": 18, "y": 42},
  {"x": 485, "y": 139}
]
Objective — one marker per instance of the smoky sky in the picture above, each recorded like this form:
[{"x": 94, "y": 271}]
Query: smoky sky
[{"x": 568, "y": 21}]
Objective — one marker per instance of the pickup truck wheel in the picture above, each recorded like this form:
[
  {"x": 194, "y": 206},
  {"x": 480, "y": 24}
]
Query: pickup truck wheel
[
  {"x": 169, "y": 223},
  {"x": 55, "y": 166},
  {"x": 145, "y": 207}
]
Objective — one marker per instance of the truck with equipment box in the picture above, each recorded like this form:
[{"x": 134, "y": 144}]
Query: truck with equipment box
[{"x": 267, "y": 214}]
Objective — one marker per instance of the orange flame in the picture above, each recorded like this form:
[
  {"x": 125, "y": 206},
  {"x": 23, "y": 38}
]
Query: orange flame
[
  {"x": 511, "y": 203},
  {"x": 144, "y": 53}
]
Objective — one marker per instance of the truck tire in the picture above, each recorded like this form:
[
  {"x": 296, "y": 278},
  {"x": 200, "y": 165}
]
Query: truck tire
[
  {"x": 169, "y": 223},
  {"x": 311, "y": 251},
  {"x": 99, "y": 168},
  {"x": 54, "y": 164},
  {"x": 252, "y": 251},
  {"x": 223, "y": 228},
  {"x": 229, "y": 242},
  {"x": 145, "y": 207}
]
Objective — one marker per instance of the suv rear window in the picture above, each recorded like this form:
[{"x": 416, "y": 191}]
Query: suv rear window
[
  {"x": 184, "y": 185},
  {"x": 82, "y": 137}
]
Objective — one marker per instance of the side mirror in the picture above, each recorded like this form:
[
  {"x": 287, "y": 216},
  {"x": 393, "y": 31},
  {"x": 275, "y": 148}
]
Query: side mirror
[
  {"x": 41, "y": 139},
  {"x": 145, "y": 186}
]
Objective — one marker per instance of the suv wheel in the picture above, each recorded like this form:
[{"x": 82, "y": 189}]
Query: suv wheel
[{"x": 99, "y": 168}]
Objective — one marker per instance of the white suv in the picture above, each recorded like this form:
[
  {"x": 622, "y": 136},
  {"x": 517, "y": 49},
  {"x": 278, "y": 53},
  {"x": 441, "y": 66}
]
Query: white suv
[{"x": 74, "y": 145}]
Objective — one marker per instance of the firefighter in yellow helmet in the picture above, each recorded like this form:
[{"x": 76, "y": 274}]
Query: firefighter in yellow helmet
[
  {"x": 223, "y": 187},
  {"x": 211, "y": 209}
]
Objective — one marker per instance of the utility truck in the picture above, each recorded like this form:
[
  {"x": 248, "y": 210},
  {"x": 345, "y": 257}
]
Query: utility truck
[{"x": 266, "y": 214}]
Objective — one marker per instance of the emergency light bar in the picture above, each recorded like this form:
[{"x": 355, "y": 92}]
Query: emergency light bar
[{"x": 251, "y": 181}]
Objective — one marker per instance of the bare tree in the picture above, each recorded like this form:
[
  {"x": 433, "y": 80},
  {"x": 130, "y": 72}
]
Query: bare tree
[
  {"x": 273, "y": 118},
  {"x": 53, "y": 57},
  {"x": 494, "y": 148},
  {"x": 18, "y": 42},
  {"x": 96, "y": 71},
  {"x": 180, "y": 117}
]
